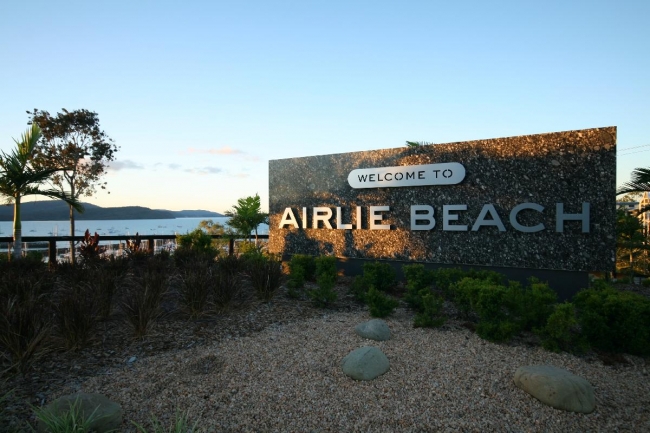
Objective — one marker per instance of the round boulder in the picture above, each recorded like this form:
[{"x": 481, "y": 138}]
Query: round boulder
[
  {"x": 375, "y": 329},
  {"x": 365, "y": 363},
  {"x": 556, "y": 387},
  {"x": 106, "y": 415}
]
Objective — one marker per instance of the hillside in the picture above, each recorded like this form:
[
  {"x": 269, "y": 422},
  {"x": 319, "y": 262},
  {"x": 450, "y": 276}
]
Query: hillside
[{"x": 58, "y": 211}]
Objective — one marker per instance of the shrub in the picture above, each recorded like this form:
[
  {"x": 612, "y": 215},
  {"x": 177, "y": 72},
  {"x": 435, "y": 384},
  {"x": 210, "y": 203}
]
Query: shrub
[
  {"x": 418, "y": 282},
  {"x": 142, "y": 297},
  {"x": 306, "y": 263},
  {"x": 69, "y": 421},
  {"x": 562, "y": 332},
  {"x": 89, "y": 248},
  {"x": 195, "y": 285},
  {"x": 533, "y": 304},
  {"x": 228, "y": 280},
  {"x": 379, "y": 275},
  {"x": 380, "y": 304},
  {"x": 326, "y": 265},
  {"x": 198, "y": 241},
  {"x": 430, "y": 312},
  {"x": 75, "y": 313},
  {"x": 106, "y": 278},
  {"x": 646, "y": 282},
  {"x": 615, "y": 321},
  {"x": 324, "y": 295},
  {"x": 266, "y": 276},
  {"x": 445, "y": 278},
  {"x": 24, "y": 327},
  {"x": 496, "y": 321},
  {"x": 296, "y": 278},
  {"x": 180, "y": 424}
]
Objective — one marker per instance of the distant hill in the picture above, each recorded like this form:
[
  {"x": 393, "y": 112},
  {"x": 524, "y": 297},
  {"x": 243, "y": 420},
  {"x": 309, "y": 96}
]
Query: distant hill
[{"x": 59, "y": 211}]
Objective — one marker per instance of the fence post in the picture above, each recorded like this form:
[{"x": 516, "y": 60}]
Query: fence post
[
  {"x": 52, "y": 253},
  {"x": 231, "y": 246}
]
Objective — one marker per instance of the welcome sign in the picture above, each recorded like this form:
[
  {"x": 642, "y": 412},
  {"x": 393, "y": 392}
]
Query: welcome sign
[{"x": 542, "y": 201}]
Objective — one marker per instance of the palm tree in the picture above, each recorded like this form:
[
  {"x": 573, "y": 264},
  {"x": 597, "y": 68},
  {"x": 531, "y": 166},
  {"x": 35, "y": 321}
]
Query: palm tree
[
  {"x": 18, "y": 178},
  {"x": 640, "y": 182}
]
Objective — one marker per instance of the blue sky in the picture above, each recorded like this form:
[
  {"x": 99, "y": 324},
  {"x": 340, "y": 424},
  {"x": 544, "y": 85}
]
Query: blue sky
[{"x": 200, "y": 95}]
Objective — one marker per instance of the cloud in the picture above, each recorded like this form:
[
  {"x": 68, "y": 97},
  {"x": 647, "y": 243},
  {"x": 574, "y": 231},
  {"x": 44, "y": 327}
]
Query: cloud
[
  {"x": 225, "y": 150},
  {"x": 125, "y": 165},
  {"x": 204, "y": 170},
  {"x": 173, "y": 166}
]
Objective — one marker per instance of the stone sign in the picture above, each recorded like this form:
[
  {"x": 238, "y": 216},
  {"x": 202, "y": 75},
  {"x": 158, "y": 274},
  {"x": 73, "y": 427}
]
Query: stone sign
[{"x": 543, "y": 201}]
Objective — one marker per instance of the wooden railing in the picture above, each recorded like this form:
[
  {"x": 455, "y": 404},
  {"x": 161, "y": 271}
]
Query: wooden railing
[{"x": 52, "y": 240}]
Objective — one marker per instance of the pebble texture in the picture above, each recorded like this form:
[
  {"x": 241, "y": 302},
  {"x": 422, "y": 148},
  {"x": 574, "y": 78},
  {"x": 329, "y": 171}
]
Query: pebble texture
[
  {"x": 106, "y": 414},
  {"x": 375, "y": 329},
  {"x": 566, "y": 167},
  {"x": 365, "y": 363},
  {"x": 556, "y": 387},
  {"x": 288, "y": 378}
]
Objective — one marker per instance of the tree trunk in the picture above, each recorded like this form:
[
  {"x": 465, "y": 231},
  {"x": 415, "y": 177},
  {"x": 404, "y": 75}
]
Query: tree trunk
[
  {"x": 72, "y": 255},
  {"x": 18, "y": 230}
]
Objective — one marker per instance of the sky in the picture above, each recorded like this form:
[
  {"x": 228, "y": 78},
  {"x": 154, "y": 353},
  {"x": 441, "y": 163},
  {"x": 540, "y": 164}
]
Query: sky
[{"x": 200, "y": 95}]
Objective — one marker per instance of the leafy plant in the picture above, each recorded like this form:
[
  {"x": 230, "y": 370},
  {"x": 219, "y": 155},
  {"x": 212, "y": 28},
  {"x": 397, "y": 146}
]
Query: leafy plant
[
  {"x": 142, "y": 296},
  {"x": 72, "y": 420},
  {"x": 324, "y": 295},
  {"x": 430, "y": 313},
  {"x": 304, "y": 262},
  {"x": 562, "y": 331},
  {"x": 266, "y": 276},
  {"x": 89, "y": 247},
  {"x": 614, "y": 321},
  {"x": 326, "y": 265},
  {"x": 418, "y": 283},
  {"x": 228, "y": 280},
  {"x": 380, "y": 304},
  {"x": 75, "y": 313},
  {"x": 195, "y": 285},
  {"x": 379, "y": 275},
  {"x": 359, "y": 288},
  {"x": 197, "y": 241},
  {"x": 247, "y": 215}
]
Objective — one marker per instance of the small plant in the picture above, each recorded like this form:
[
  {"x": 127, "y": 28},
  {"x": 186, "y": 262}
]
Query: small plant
[
  {"x": 89, "y": 247},
  {"x": 142, "y": 297},
  {"x": 326, "y": 265},
  {"x": 228, "y": 280},
  {"x": 430, "y": 315},
  {"x": 195, "y": 285},
  {"x": 379, "y": 303},
  {"x": 70, "y": 421},
  {"x": 380, "y": 275},
  {"x": 75, "y": 313},
  {"x": 646, "y": 282},
  {"x": 614, "y": 321},
  {"x": 296, "y": 278},
  {"x": 197, "y": 241},
  {"x": 266, "y": 276},
  {"x": 359, "y": 288},
  {"x": 304, "y": 262},
  {"x": 106, "y": 277},
  {"x": 418, "y": 282},
  {"x": 324, "y": 295},
  {"x": 562, "y": 332},
  {"x": 180, "y": 424}
]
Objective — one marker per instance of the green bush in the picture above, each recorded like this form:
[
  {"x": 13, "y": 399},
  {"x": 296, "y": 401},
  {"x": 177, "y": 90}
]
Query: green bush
[
  {"x": 306, "y": 263},
  {"x": 196, "y": 283},
  {"x": 561, "y": 332},
  {"x": 430, "y": 314},
  {"x": 265, "y": 273},
  {"x": 494, "y": 308},
  {"x": 418, "y": 283},
  {"x": 380, "y": 304},
  {"x": 198, "y": 241},
  {"x": 324, "y": 295},
  {"x": 379, "y": 275},
  {"x": 228, "y": 280},
  {"x": 326, "y": 265},
  {"x": 142, "y": 296},
  {"x": 444, "y": 278},
  {"x": 75, "y": 313},
  {"x": 646, "y": 282},
  {"x": 615, "y": 321},
  {"x": 533, "y": 304}
]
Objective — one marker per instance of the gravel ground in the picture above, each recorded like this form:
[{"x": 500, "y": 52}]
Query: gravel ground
[{"x": 287, "y": 377}]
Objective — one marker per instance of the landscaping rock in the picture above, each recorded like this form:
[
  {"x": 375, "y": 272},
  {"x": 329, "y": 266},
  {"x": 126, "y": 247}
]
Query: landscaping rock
[
  {"x": 556, "y": 387},
  {"x": 107, "y": 414},
  {"x": 365, "y": 363},
  {"x": 375, "y": 329}
]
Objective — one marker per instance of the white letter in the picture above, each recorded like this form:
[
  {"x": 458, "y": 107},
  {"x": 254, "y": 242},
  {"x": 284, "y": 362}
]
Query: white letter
[
  {"x": 495, "y": 221},
  {"x": 426, "y": 216},
  {"x": 304, "y": 217},
  {"x": 376, "y": 217},
  {"x": 446, "y": 217},
  {"x": 324, "y": 217},
  {"x": 526, "y": 229},
  {"x": 339, "y": 222},
  {"x": 560, "y": 217},
  {"x": 288, "y": 218}
]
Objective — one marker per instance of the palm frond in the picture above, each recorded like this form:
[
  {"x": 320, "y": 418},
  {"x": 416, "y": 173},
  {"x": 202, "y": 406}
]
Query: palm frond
[{"x": 639, "y": 182}]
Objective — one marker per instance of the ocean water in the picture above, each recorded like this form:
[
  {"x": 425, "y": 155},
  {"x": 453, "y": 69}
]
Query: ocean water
[{"x": 114, "y": 227}]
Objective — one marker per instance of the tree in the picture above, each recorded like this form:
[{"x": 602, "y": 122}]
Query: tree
[
  {"x": 74, "y": 145},
  {"x": 214, "y": 228},
  {"x": 247, "y": 215},
  {"x": 19, "y": 178},
  {"x": 416, "y": 143},
  {"x": 639, "y": 183},
  {"x": 630, "y": 239}
]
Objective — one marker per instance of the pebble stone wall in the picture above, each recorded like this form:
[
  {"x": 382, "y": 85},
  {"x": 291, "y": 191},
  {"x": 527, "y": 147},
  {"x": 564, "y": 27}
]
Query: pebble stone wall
[{"x": 569, "y": 167}]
